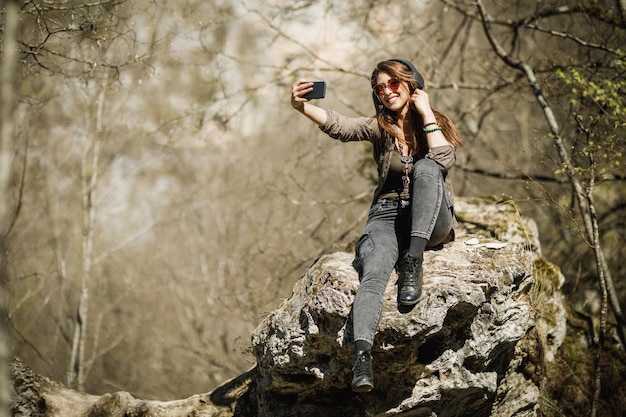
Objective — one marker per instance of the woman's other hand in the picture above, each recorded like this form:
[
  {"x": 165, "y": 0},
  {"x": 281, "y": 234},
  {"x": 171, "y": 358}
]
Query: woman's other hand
[{"x": 422, "y": 103}]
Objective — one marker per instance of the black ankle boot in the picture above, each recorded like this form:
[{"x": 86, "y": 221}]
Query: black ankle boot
[
  {"x": 362, "y": 377},
  {"x": 409, "y": 280}
]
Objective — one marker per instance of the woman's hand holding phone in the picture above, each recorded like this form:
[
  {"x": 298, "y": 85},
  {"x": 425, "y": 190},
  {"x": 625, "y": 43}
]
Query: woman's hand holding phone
[{"x": 304, "y": 91}]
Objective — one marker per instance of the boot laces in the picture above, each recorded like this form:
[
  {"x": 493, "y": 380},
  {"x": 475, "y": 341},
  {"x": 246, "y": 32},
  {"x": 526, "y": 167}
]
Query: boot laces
[
  {"x": 410, "y": 270},
  {"x": 361, "y": 368}
]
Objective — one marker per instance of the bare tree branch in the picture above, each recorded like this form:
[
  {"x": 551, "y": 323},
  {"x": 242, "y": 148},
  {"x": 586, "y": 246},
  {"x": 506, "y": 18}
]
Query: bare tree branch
[{"x": 583, "y": 197}]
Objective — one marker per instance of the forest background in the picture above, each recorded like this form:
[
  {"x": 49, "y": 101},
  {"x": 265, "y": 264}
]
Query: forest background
[{"x": 164, "y": 196}]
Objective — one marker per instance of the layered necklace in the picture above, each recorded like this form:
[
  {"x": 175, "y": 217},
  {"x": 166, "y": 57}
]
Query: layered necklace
[{"x": 407, "y": 160}]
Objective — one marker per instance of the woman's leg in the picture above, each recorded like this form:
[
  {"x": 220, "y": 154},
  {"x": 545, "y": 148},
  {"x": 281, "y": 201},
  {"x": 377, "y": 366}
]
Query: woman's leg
[
  {"x": 431, "y": 220},
  {"x": 376, "y": 255}
]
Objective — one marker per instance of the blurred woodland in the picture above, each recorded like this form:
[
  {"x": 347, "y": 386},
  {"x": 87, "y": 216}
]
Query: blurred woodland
[{"x": 163, "y": 195}]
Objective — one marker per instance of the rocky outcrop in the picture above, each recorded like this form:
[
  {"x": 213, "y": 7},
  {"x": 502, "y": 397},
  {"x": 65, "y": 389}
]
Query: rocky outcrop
[{"x": 477, "y": 343}]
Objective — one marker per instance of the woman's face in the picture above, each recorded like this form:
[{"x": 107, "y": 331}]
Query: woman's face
[{"x": 393, "y": 94}]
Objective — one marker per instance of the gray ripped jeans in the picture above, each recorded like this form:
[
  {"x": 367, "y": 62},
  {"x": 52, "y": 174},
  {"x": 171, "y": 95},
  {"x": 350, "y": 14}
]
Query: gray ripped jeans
[{"x": 390, "y": 225}]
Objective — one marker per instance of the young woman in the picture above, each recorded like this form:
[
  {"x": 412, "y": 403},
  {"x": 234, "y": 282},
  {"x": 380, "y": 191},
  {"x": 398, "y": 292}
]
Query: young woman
[{"x": 414, "y": 147}]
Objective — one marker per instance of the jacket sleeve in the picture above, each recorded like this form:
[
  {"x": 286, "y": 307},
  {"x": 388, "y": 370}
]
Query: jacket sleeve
[
  {"x": 347, "y": 129},
  {"x": 444, "y": 156}
]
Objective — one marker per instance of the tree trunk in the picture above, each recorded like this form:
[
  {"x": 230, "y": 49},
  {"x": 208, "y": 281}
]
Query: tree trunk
[
  {"x": 91, "y": 157},
  {"x": 7, "y": 103}
]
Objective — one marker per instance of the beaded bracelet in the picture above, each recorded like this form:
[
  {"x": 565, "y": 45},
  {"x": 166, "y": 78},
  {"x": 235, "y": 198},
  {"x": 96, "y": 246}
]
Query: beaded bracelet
[
  {"x": 434, "y": 129},
  {"x": 429, "y": 124}
]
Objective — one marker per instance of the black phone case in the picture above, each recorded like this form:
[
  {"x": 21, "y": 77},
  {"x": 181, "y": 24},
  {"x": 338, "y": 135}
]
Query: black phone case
[{"x": 319, "y": 90}]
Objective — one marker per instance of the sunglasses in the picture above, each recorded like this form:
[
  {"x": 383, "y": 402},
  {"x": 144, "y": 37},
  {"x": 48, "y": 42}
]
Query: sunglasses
[{"x": 392, "y": 84}]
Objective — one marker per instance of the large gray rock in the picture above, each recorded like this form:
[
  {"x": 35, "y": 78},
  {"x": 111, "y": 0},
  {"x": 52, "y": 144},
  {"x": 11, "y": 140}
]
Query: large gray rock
[{"x": 474, "y": 345}]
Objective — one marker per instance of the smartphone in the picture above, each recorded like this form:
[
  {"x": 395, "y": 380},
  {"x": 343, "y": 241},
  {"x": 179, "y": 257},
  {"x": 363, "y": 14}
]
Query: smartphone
[{"x": 319, "y": 90}]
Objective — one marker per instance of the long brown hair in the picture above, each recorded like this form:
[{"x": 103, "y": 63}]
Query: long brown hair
[{"x": 387, "y": 119}]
